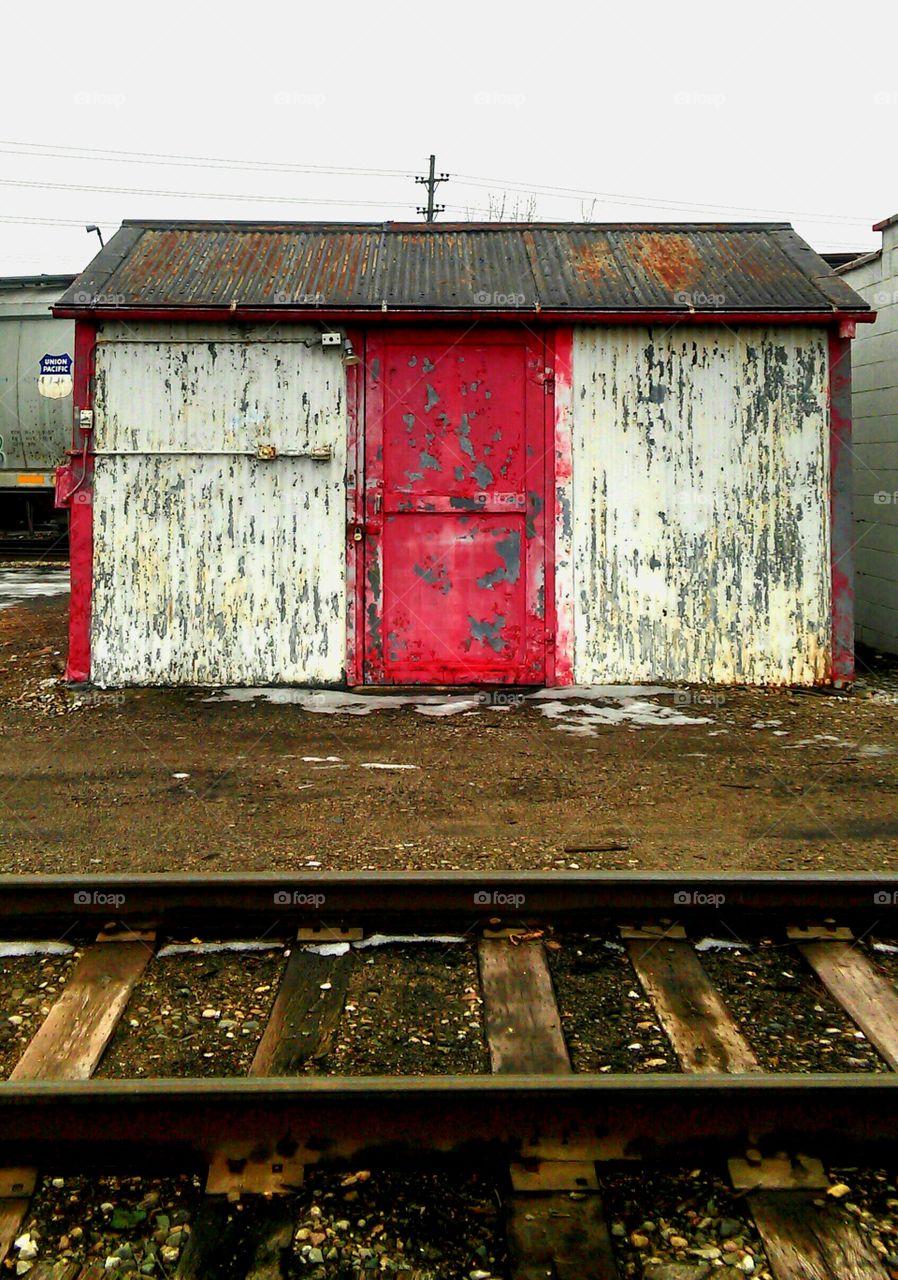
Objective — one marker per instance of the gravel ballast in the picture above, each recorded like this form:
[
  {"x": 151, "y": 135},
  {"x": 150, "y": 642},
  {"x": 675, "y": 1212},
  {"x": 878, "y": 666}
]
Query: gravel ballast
[
  {"x": 608, "y": 1023},
  {"x": 29, "y": 986},
  {"x": 786, "y": 1014},
  {"x": 128, "y": 1226},
  {"x": 681, "y": 1224},
  {"x": 195, "y": 1015},
  {"x": 410, "y": 1010}
]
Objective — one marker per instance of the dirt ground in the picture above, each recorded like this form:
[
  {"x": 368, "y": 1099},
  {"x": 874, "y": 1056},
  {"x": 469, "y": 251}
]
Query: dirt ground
[{"x": 153, "y": 780}]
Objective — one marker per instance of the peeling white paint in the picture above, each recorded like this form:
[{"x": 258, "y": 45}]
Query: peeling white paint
[
  {"x": 701, "y": 542},
  {"x": 211, "y": 565}
]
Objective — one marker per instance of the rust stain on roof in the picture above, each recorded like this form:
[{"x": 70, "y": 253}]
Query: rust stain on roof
[
  {"x": 670, "y": 258},
  {"x": 593, "y": 260}
]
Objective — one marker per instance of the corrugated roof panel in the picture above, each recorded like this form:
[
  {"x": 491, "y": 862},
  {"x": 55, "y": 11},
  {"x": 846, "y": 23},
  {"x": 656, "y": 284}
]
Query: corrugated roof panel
[{"x": 469, "y": 266}]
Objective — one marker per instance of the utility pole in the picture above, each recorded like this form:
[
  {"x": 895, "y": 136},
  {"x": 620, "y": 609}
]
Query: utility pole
[{"x": 431, "y": 182}]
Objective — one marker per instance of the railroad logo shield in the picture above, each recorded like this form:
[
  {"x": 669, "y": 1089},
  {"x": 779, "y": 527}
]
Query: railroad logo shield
[{"x": 55, "y": 377}]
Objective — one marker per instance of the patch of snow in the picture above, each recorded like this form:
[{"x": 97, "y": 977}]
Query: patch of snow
[
  {"x": 452, "y": 707},
  {"x": 720, "y": 944},
  {"x": 888, "y": 947},
  {"x": 326, "y": 948},
  {"x": 626, "y": 709},
  {"x": 601, "y": 692},
  {"x": 207, "y": 948},
  {"x": 25, "y": 584},
  {"x": 379, "y": 940},
  {"x": 332, "y": 702},
  {"x": 581, "y": 706},
  {"x": 379, "y": 765},
  {"x": 387, "y": 939},
  {"x": 35, "y": 949}
]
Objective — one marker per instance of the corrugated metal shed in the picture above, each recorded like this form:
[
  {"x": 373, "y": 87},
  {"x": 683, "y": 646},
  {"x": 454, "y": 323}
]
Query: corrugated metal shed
[{"x": 559, "y": 267}]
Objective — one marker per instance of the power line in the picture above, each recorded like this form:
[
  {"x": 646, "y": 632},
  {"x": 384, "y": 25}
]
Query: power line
[
  {"x": 106, "y": 154},
  {"x": 470, "y": 180},
  {"x": 194, "y": 195},
  {"x": 61, "y": 151},
  {"x": 27, "y": 220}
]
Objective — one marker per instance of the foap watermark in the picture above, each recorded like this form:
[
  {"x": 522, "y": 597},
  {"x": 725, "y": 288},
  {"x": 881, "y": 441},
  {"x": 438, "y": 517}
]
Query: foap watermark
[
  {"x": 493, "y": 98},
  {"x": 498, "y": 898},
  {"x": 98, "y": 898},
  {"x": 698, "y": 898},
  {"x": 885, "y": 898},
  {"x": 85, "y": 299},
  {"x": 885, "y": 498},
  {"x": 885, "y": 297},
  {"x": 295, "y": 98},
  {"x": 698, "y": 698},
  {"x": 495, "y": 299},
  {"x": 697, "y": 98},
  {"x": 683, "y": 298},
  {"x": 500, "y": 697},
  {"x": 298, "y": 898},
  {"x": 101, "y": 698},
  {"x": 95, "y": 98},
  {"x": 301, "y": 299}
]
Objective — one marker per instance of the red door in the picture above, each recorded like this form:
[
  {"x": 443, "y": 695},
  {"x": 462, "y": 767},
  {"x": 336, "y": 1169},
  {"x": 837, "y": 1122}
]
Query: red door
[{"x": 455, "y": 510}]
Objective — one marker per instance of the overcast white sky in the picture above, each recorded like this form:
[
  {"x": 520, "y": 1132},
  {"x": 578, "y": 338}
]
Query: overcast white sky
[{"x": 647, "y": 112}]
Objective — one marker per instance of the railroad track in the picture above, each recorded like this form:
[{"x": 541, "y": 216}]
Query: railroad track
[
  {"x": 548, "y": 1131},
  {"x": 34, "y": 551}
]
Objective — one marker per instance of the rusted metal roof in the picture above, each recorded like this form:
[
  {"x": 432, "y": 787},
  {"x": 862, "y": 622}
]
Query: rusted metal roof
[{"x": 557, "y": 267}]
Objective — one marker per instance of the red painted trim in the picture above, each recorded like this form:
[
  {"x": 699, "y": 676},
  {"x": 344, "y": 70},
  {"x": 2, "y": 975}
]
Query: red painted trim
[
  {"x": 372, "y": 586},
  {"x": 458, "y": 315},
  {"x": 355, "y": 482},
  {"x": 81, "y": 522},
  {"x": 842, "y": 535},
  {"x": 561, "y": 486},
  {"x": 550, "y": 495}
]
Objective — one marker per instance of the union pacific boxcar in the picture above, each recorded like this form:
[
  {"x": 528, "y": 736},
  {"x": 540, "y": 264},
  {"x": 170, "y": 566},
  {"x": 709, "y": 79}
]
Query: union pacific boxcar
[{"x": 35, "y": 398}]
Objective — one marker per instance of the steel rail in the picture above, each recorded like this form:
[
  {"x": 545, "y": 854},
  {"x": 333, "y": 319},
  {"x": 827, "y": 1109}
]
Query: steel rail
[
  {"x": 234, "y": 900},
  {"x": 71, "y": 1124}
]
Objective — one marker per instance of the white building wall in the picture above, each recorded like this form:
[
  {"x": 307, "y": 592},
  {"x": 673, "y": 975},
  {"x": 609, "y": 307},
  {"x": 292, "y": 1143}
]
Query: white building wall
[
  {"x": 700, "y": 505},
  {"x": 874, "y": 407},
  {"x": 211, "y": 565}
]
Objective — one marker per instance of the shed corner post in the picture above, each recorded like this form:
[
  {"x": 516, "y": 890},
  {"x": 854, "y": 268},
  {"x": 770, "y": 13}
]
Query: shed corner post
[
  {"x": 560, "y": 667},
  {"x": 81, "y": 511},
  {"x": 842, "y": 535}
]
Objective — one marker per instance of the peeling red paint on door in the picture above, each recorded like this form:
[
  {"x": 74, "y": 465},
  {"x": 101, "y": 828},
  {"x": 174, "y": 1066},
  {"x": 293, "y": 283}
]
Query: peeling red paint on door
[{"x": 455, "y": 508}]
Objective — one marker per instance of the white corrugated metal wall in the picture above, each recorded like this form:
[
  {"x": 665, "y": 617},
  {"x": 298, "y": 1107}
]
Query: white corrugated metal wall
[
  {"x": 700, "y": 505},
  {"x": 700, "y": 531},
  {"x": 212, "y": 566},
  {"x": 874, "y": 446}
]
